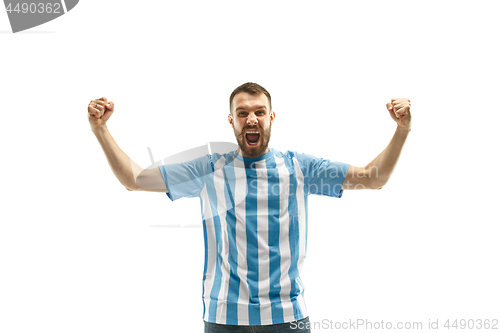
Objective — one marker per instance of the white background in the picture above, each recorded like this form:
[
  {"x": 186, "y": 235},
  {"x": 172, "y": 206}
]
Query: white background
[{"x": 79, "y": 253}]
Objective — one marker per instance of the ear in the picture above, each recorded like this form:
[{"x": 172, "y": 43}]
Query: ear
[
  {"x": 272, "y": 115},
  {"x": 230, "y": 119}
]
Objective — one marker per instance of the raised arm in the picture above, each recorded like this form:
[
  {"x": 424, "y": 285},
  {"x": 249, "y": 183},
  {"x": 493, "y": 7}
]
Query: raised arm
[
  {"x": 377, "y": 173},
  {"x": 128, "y": 173}
]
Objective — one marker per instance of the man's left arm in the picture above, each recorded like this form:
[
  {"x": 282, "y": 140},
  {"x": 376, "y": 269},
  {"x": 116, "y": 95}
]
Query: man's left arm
[{"x": 376, "y": 174}]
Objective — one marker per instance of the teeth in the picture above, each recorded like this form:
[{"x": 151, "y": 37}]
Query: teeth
[{"x": 252, "y": 132}]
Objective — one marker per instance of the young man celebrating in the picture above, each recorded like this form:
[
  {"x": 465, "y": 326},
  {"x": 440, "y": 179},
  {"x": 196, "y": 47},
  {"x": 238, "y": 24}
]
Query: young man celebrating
[{"x": 254, "y": 209}]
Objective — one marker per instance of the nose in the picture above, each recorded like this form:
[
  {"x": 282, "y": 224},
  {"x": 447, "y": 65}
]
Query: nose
[{"x": 252, "y": 119}]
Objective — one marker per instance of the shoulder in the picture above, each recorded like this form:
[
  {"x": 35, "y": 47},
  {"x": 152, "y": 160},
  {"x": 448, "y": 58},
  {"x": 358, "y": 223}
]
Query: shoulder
[
  {"x": 301, "y": 158},
  {"x": 289, "y": 154},
  {"x": 219, "y": 160},
  {"x": 304, "y": 161}
]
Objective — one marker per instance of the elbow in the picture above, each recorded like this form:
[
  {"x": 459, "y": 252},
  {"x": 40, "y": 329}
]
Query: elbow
[
  {"x": 377, "y": 183},
  {"x": 134, "y": 188},
  {"x": 376, "y": 179},
  {"x": 133, "y": 184},
  {"x": 131, "y": 187}
]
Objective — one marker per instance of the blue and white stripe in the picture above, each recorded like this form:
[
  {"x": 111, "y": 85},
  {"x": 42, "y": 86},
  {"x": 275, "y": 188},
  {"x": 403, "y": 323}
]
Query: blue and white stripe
[
  {"x": 255, "y": 248},
  {"x": 255, "y": 230}
]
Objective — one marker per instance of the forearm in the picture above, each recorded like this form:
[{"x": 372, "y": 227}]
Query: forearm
[
  {"x": 122, "y": 166},
  {"x": 381, "y": 168}
]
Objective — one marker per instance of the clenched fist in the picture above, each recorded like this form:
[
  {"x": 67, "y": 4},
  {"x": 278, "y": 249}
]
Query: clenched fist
[
  {"x": 99, "y": 112},
  {"x": 399, "y": 109}
]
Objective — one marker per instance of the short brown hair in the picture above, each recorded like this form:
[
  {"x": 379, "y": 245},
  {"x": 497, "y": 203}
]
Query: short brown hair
[{"x": 252, "y": 89}]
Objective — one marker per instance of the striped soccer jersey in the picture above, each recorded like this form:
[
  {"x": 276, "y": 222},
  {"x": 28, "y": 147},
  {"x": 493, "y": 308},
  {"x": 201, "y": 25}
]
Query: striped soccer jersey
[{"x": 254, "y": 214}]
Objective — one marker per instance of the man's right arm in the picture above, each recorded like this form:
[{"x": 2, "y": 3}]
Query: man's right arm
[{"x": 128, "y": 173}]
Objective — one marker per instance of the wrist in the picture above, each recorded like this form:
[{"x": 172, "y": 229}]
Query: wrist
[
  {"x": 403, "y": 128},
  {"x": 98, "y": 129}
]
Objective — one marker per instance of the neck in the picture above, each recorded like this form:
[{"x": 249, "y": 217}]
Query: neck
[{"x": 239, "y": 152}]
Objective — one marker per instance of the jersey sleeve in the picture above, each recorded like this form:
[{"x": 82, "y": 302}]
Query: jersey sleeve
[
  {"x": 186, "y": 179},
  {"x": 322, "y": 176}
]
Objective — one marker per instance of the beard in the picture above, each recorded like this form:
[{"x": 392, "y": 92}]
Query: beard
[{"x": 257, "y": 150}]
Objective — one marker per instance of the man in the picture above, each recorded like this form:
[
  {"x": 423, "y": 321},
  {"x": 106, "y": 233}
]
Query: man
[{"x": 254, "y": 209}]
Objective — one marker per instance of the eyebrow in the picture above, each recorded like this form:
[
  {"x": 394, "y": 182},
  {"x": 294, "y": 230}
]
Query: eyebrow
[{"x": 260, "y": 107}]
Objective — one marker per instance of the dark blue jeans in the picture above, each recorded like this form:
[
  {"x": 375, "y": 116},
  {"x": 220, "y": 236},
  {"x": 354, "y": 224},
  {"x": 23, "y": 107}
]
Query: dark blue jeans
[{"x": 299, "y": 326}]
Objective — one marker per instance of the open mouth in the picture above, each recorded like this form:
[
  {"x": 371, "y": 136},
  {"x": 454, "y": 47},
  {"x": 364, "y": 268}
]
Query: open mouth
[{"x": 252, "y": 138}]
